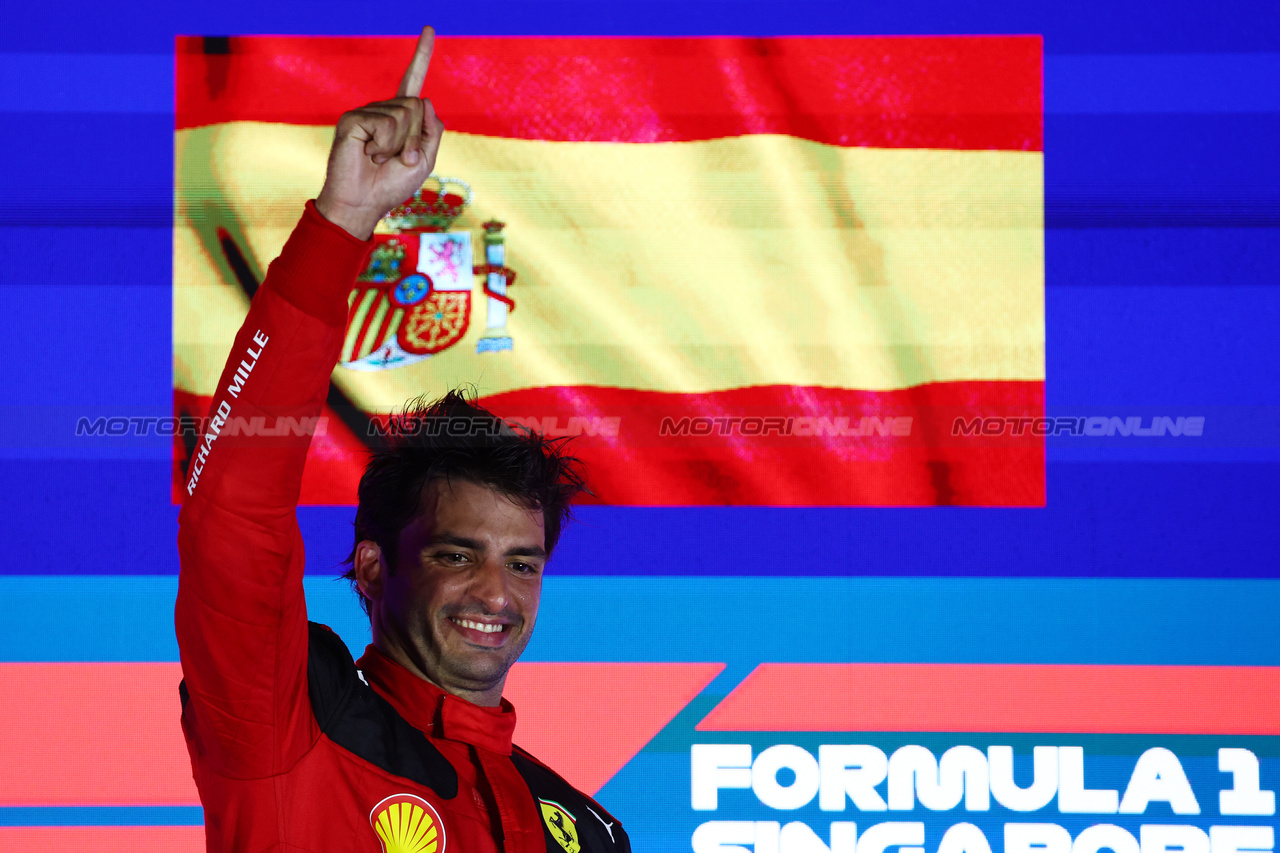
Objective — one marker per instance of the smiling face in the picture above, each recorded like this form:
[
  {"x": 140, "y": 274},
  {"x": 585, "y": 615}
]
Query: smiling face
[{"x": 460, "y": 603}]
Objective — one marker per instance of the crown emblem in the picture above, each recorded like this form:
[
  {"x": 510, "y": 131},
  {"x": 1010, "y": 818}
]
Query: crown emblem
[
  {"x": 384, "y": 263},
  {"x": 431, "y": 209}
]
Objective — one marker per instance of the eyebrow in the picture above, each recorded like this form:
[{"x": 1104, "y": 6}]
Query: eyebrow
[
  {"x": 475, "y": 545},
  {"x": 526, "y": 551}
]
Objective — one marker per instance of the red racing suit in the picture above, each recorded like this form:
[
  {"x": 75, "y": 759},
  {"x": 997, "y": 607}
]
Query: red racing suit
[{"x": 294, "y": 746}]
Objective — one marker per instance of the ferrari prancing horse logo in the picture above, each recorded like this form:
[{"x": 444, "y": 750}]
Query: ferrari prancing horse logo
[{"x": 563, "y": 826}]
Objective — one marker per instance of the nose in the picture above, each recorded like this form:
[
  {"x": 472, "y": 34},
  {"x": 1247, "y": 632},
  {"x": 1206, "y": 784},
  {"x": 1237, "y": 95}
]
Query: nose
[{"x": 490, "y": 586}]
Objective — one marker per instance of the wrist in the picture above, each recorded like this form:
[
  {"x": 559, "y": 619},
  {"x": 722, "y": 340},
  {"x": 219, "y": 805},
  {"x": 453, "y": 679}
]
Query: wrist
[{"x": 358, "y": 222}]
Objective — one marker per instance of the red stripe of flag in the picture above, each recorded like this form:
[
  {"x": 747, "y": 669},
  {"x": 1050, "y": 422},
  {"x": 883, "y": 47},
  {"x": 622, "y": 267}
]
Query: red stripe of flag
[
  {"x": 368, "y": 323},
  {"x": 639, "y": 465},
  {"x": 955, "y": 92},
  {"x": 649, "y": 464},
  {"x": 1219, "y": 700}
]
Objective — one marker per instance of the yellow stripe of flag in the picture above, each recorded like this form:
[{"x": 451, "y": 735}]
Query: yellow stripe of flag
[{"x": 681, "y": 267}]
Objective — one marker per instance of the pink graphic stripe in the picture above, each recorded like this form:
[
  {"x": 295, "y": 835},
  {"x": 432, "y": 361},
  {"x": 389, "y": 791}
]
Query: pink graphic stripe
[
  {"x": 587, "y": 720},
  {"x": 1239, "y": 700},
  {"x": 108, "y": 734},
  {"x": 93, "y": 734},
  {"x": 102, "y": 839}
]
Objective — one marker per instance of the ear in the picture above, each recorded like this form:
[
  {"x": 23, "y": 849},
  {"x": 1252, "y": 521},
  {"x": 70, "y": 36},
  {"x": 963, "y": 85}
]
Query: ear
[{"x": 370, "y": 570}]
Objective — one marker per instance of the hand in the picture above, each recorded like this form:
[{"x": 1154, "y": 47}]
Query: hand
[{"x": 382, "y": 152}]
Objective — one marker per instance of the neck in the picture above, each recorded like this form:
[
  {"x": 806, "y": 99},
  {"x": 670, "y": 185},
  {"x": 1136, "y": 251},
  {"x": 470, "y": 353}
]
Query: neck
[{"x": 486, "y": 695}]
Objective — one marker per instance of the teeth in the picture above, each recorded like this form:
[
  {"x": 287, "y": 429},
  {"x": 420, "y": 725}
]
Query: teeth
[{"x": 479, "y": 626}]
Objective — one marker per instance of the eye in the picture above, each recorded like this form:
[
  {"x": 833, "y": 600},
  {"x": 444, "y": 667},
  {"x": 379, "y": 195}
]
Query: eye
[
  {"x": 452, "y": 557},
  {"x": 523, "y": 568}
]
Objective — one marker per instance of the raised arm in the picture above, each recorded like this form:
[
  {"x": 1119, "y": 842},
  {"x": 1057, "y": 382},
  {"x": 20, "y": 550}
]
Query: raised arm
[{"x": 240, "y": 615}]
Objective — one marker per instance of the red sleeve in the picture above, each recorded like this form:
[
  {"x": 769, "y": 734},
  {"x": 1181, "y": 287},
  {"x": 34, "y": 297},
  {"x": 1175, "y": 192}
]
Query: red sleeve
[{"x": 241, "y": 619}]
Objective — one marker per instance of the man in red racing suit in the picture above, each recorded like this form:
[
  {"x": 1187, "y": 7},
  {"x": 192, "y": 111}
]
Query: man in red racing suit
[{"x": 294, "y": 745}]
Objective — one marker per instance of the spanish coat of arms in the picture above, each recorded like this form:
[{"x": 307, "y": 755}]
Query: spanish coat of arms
[{"x": 413, "y": 300}]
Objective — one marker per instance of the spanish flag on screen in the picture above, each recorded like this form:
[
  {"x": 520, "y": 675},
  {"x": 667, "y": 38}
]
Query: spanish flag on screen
[{"x": 781, "y": 271}]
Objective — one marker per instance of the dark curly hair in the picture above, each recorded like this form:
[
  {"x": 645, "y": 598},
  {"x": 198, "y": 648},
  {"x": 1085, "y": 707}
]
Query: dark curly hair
[{"x": 453, "y": 438}]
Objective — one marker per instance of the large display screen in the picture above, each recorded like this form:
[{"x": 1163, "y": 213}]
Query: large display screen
[{"x": 922, "y": 361}]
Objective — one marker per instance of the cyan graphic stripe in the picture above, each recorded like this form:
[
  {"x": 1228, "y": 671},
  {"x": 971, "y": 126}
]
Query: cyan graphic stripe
[{"x": 739, "y": 621}]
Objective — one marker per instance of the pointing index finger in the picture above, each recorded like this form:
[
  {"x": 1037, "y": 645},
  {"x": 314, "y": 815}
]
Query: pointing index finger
[{"x": 416, "y": 74}]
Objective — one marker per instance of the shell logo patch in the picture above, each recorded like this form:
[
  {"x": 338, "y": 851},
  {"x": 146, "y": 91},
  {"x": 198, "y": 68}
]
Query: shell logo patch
[
  {"x": 407, "y": 824},
  {"x": 563, "y": 826}
]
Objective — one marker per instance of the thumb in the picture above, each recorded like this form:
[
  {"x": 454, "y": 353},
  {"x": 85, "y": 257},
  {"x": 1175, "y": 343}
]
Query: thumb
[
  {"x": 412, "y": 151},
  {"x": 429, "y": 132}
]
